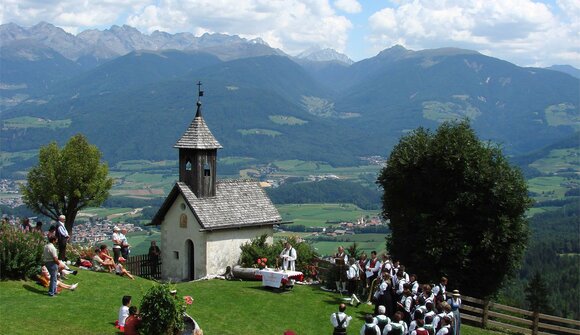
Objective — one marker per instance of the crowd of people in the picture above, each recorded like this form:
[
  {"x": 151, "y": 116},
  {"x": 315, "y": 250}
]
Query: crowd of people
[
  {"x": 54, "y": 257},
  {"x": 402, "y": 305}
]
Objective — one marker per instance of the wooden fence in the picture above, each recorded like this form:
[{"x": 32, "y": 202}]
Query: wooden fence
[
  {"x": 489, "y": 314},
  {"x": 141, "y": 266}
]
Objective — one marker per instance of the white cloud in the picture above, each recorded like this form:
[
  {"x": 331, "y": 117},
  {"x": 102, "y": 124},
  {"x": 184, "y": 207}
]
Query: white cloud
[
  {"x": 292, "y": 25},
  {"x": 523, "y": 31},
  {"x": 348, "y": 6},
  {"x": 70, "y": 14}
]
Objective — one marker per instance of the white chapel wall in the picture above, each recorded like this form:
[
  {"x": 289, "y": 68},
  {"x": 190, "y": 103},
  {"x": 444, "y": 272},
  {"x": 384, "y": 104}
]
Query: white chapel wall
[
  {"x": 174, "y": 253},
  {"x": 223, "y": 246}
]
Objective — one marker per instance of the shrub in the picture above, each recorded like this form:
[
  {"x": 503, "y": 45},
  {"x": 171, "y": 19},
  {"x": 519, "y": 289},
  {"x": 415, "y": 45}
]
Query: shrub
[
  {"x": 76, "y": 251},
  {"x": 161, "y": 312},
  {"x": 20, "y": 253},
  {"x": 258, "y": 248}
]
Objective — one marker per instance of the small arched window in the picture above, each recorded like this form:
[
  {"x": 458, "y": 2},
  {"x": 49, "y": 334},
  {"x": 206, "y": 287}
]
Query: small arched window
[{"x": 188, "y": 165}]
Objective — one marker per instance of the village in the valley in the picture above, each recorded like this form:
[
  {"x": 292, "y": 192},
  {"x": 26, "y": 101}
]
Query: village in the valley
[{"x": 92, "y": 230}]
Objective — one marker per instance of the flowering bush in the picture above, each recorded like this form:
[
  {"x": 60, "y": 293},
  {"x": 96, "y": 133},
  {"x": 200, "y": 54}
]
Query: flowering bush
[
  {"x": 20, "y": 253},
  {"x": 255, "y": 250},
  {"x": 76, "y": 251},
  {"x": 188, "y": 299},
  {"x": 262, "y": 262}
]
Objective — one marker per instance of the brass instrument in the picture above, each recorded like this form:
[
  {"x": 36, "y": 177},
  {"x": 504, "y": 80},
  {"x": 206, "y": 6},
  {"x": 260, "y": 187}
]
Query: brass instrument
[{"x": 374, "y": 285}]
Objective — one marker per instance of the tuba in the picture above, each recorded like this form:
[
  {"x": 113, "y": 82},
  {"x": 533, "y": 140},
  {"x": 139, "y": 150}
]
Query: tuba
[{"x": 374, "y": 285}]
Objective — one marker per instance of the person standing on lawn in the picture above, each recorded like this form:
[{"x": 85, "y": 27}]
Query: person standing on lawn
[
  {"x": 288, "y": 256},
  {"x": 117, "y": 242},
  {"x": 340, "y": 320},
  {"x": 63, "y": 238},
  {"x": 154, "y": 254},
  {"x": 124, "y": 244},
  {"x": 50, "y": 259}
]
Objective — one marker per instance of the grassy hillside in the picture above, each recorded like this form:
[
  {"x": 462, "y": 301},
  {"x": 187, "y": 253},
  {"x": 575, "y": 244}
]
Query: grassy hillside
[{"x": 220, "y": 307}]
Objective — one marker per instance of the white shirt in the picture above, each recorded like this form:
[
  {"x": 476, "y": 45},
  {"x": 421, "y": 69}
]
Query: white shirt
[
  {"x": 437, "y": 318},
  {"x": 371, "y": 270},
  {"x": 341, "y": 316},
  {"x": 123, "y": 314},
  {"x": 415, "y": 287},
  {"x": 437, "y": 288},
  {"x": 117, "y": 240},
  {"x": 352, "y": 272},
  {"x": 400, "y": 283},
  {"x": 289, "y": 257},
  {"x": 62, "y": 229},
  {"x": 443, "y": 331}
]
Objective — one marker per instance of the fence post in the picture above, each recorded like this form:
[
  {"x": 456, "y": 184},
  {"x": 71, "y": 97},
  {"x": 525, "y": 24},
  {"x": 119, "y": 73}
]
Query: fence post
[
  {"x": 535, "y": 323},
  {"x": 484, "y": 316}
]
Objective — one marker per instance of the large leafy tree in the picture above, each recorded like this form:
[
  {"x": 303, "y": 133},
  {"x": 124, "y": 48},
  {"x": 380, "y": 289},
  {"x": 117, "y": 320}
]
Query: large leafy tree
[
  {"x": 67, "y": 180},
  {"x": 456, "y": 208}
]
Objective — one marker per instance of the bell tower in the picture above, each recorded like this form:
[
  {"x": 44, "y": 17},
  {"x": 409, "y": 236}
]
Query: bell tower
[{"x": 198, "y": 155}]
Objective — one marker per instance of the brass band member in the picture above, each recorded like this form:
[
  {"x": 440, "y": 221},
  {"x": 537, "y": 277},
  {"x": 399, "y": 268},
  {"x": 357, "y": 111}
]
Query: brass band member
[
  {"x": 362, "y": 263},
  {"x": 340, "y": 261},
  {"x": 373, "y": 267},
  {"x": 352, "y": 274}
]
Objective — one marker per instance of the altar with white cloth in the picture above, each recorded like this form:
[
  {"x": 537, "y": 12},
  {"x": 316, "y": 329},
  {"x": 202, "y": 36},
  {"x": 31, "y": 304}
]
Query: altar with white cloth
[{"x": 278, "y": 278}]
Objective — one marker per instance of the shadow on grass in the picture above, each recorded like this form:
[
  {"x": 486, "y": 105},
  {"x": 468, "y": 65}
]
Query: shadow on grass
[
  {"x": 270, "y": 289},
  {"x": 35, "y": 289}
]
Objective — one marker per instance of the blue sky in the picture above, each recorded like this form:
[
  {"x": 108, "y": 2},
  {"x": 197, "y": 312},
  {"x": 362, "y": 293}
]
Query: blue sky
[{"x": 524, "y": 32}]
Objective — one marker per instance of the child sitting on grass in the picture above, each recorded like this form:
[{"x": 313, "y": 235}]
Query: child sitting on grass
[{"x": 123, "y": 313}]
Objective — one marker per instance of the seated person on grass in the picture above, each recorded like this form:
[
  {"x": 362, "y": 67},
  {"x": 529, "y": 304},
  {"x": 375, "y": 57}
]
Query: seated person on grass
[
  {"x": 104, "y": 253},
  {"x": 120, "y": 269},
  {"x": 44, "y": 280},
  {"x": 101, "y": 265},
  {"x": 132, "y": 322}
]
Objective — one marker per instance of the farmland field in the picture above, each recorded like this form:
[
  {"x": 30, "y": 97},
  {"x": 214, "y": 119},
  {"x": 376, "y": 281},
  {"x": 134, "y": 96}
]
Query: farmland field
[{"x": 321, "y": 215}]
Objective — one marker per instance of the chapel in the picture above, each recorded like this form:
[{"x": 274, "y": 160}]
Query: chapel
[{"x": 205, "y": 220}]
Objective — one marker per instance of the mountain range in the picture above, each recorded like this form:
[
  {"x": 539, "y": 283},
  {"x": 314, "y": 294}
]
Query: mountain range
[{"x": 133, "y": 95}]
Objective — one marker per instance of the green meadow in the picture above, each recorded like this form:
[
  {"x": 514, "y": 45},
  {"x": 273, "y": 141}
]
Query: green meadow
[
  {"x": 220, "y": 307},
  {"x": 321, "y": 215},
  {"x": 35, "y": 122}
]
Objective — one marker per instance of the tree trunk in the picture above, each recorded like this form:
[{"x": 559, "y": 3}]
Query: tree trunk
[{"x": 245, "y": 273}]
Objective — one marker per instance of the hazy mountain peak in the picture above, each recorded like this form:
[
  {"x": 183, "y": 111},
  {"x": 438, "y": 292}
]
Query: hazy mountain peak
[
  {"x": 258, "y": 40},
  {"x": 318, "y": 54},
  {"x": 568, "y": 69},
  {"x": 396, "y": 51}
]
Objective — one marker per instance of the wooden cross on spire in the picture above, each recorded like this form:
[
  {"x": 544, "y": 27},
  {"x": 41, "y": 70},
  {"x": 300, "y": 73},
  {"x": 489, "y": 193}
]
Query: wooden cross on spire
[
  {"x": 199, "y": 91},
  {"x": 199, "y": 95}
]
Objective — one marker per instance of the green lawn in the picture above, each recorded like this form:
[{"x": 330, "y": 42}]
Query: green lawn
[{"x": 220, "y": 307}]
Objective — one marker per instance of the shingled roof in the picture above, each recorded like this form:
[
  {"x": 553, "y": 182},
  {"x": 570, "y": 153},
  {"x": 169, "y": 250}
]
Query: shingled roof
[
  {"x": 237, "y": 204},
  {"x": 198, "y": 135}
]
